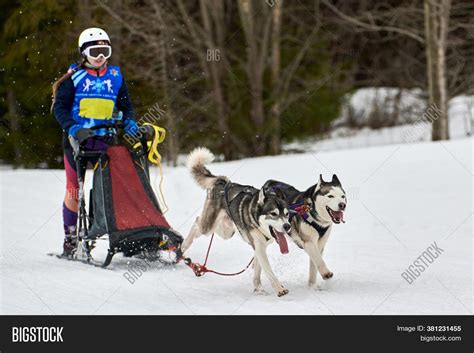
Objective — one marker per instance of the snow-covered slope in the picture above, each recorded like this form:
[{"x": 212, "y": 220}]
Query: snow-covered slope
[
  {"x": 413, "y": 126},
  {"x": 402, "y": 198}
]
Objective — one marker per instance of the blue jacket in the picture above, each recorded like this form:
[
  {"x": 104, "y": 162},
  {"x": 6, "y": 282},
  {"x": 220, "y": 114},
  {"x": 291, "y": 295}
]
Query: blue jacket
[{"x": 89, "y": 98}]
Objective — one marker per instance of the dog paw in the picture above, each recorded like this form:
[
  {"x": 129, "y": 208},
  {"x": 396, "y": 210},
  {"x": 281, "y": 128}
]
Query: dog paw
[
  {"x": 326, "y": 275},
  {"x": 283, "y": 292},
  {"x": 311, "y": 284}
]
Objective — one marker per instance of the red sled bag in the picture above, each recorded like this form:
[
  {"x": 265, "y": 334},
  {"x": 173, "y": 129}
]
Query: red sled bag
[{"x": 124, "y": 206}]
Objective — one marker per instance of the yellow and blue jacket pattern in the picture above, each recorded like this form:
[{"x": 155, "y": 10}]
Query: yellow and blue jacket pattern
[{"x": 90, "y": 97}]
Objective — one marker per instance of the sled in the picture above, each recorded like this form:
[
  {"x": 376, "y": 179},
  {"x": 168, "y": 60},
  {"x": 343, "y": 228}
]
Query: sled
[{"x": 122, "y": 203}]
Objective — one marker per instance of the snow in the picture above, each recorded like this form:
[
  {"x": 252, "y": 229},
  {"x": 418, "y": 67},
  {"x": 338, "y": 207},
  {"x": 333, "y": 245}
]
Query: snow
[
  {"x": 363, "y": 100},
  {"x": 411, "y": 128},
  {"x": 401, "y": 199}
]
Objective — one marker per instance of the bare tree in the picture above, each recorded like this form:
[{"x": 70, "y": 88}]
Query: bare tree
[
  {"x": 275, "y": 110},
  {"x": 262, "y": 27},
  {"x": 173, "y": 140},
  {"x": 208, "y": 37},
  {"x": 14, "y": 119},
  {"x": 436, "y": 32},
  {"x": 432, "y": 33},
  {"x": 215, "y": 91},
  {"x": 257, "y": 33}
]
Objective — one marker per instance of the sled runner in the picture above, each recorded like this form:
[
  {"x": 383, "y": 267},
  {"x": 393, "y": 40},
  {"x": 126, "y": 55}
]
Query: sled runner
[
  {"x": 122, "y": 202},
  {"x": 87, "y": 261}
]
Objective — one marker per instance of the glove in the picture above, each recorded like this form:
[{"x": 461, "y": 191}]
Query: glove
[
  {"x": 80, "y": 133},
  {"x": 131, "y": 128}
]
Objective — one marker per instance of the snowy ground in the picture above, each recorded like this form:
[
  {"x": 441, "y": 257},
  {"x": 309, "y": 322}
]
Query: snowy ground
[
  {"x": 461, "y": 119},
  {"x": 402, "y": 198}
]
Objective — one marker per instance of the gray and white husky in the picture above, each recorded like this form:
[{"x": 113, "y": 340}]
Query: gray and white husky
[
  {"x": 260, "y": 216},
  {"x": 325, "y": 203}
]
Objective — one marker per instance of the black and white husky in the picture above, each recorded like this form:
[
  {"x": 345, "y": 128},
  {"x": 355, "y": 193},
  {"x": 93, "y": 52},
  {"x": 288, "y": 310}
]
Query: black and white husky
[
  {"x": 313, "y": 213},
  {"x": 260, "y": 216}
]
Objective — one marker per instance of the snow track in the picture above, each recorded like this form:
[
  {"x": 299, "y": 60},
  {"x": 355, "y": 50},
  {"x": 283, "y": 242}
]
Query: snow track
[{"x": 401, "y": 198}]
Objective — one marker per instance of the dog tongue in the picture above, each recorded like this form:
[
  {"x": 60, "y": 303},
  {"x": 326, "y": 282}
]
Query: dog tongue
[
  {"x": 339, "y": 215},
  {"x": 281, "y": 240}
]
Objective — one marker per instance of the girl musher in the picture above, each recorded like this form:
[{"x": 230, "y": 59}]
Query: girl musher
[{"x": 87, "y": 96}]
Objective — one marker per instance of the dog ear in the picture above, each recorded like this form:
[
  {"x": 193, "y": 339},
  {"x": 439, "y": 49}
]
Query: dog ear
[
  {"x": 335, "y": 180},
  {"x": 318, "y": 185},
  {"x": 261, "y": 196}
]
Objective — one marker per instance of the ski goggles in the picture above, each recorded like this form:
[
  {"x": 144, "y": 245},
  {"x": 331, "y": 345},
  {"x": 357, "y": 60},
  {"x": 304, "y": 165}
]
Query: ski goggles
[{"x": 95, "y": 51}]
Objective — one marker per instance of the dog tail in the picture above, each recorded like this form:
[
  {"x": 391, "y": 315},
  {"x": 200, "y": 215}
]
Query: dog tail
[{"x": 196, "y": 164}]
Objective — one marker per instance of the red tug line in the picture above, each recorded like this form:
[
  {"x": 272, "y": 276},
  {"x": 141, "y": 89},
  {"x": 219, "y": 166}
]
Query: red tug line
[{"x": 199, "y": 270}]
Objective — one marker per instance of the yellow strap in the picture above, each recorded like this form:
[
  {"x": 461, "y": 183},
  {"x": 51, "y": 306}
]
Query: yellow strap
[
  {"x": 155, "y": 157},
  {"x": 165, "y": 208},
  {"x": 159, "y": 136}
]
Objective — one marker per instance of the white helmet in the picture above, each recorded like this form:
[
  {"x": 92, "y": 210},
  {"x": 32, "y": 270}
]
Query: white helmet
[{"x": 92, "y": 35}]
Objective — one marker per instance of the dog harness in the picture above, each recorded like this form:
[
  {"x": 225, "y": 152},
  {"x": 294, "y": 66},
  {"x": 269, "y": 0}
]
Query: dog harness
[
  {"x": 247, "y": 189},
  {"x": 306, "y": 212},
  {"x": 309, "y": 216},
  {"x": 244, "y": 189}
]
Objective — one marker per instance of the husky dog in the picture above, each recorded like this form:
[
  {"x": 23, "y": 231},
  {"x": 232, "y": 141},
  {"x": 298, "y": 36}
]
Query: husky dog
[
  {"x": 313, "y": 213},
  {"x": 260, "y": 216}
]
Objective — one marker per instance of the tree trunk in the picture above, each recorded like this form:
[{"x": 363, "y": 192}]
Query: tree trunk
[
  {"x": 395, "y": 115},
  {"x": 14, "y": 119},
  {"x": 213, "y": 15},
  {"x": 275, "y": 110},
  {"x": 436, "y": 30},
  {"x": 254, "y": 73},
  {"x": 173, "y": 135}
]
